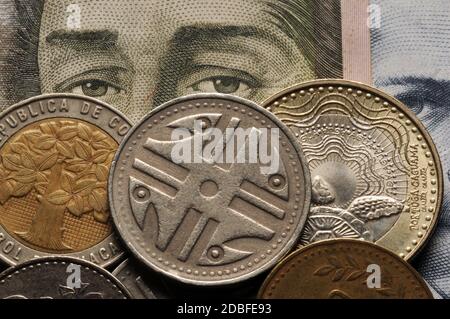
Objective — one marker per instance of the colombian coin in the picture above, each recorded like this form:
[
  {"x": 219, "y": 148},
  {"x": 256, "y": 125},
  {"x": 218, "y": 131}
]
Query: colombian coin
[
  {"x": 375, "y": 171},
  {"x": 59, "y": 278},
  {"x": 144, "y": 283},
  {"x": 344, "y": 269},
  {"x": 209, "y": 189},
  {"x": 140, "y": 282},
  {"x": 56, "y": 151}
]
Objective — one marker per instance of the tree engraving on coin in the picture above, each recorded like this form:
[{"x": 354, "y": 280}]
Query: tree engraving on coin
[
  {"x": 344, "y": 269},
  {"x": 51, "y": 278},
  {"x": 375, "y": 172},
  {"x": 206, "y": 222},
  {"x": 56, "y": 152},
  {"x": 56, "y": 166}
]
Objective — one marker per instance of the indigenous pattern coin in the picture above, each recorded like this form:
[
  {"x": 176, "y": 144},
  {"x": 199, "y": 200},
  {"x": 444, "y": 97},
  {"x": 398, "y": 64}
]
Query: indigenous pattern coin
[
  {"x": 59, "y": 278},
  {"x": 141, "y": 282},
  {"x": 209, "y": 189},
  {"x": 344, "y": 269},
  {"x": 56, "y": 151},
  {"x": 144, "y": 283},
  {"x": 375, "y": 172}
]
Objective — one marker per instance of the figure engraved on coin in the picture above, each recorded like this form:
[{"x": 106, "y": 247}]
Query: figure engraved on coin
[
  {"x": 349, "y": 158},
  {"x": 208, "y": 221},
  {"x": 374, "y": 169}
]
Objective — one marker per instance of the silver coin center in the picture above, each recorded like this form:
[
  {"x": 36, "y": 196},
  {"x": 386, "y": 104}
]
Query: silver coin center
[{"x": 209, "y": 188}]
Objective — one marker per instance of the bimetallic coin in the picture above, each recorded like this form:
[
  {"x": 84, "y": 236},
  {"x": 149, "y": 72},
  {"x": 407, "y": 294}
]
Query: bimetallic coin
[
  {"x": 59, "y": 278},
  {"x": 375, "y": 171},
  {"x": 344, "y": 269},
  {"x": 211, "y": 217},
  {"x": 56, "y": 151}
]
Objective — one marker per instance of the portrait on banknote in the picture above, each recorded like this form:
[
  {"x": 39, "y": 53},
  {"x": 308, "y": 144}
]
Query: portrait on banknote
[
  {"x": 411, "y": 60},
  {"x": 138, "y": 56}
]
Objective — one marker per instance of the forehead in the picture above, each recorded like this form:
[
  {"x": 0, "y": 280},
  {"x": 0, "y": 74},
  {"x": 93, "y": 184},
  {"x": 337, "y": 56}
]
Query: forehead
[
  {"x": 414, "y": 37},
  {"x": 154, "y": 15}
]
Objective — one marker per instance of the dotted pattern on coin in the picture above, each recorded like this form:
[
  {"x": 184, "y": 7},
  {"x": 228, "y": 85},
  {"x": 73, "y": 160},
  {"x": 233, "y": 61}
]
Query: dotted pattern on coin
[
  {"x": 56, "y": 151},
  {"x": 375, "y": 171},
  {"x": 60, "y": 278},
  {"x": 342, "y": 269},
  {"x": 141, "y": 284},
  {"x": 200, "y": 223}
]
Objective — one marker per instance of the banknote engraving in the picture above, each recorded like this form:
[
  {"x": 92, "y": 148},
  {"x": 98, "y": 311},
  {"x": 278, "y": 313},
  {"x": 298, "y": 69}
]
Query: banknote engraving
[
  {"x": 410, "y": 55},
  {"x": 137, "y": 56}
]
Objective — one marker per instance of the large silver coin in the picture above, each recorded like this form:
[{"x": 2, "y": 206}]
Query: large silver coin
[
  {"x": 59, "y": 278},
  {"x": 199, "y": 221},
  {"x": 56, "y": 151},
  {"x": 140, "y": 282},
  {"x": 144, "y": 283}
]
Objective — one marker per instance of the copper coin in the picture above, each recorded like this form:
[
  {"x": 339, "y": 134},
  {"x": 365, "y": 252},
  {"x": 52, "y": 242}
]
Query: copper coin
[
  {"x": 344, "y": 269},
  {"x": 215, "y": 217}
]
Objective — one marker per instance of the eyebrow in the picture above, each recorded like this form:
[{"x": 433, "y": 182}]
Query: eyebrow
[
  {"x": 421, "y": 81},
  {"x": 196, "y": 33},
  {"x": 100, "y": 37}
]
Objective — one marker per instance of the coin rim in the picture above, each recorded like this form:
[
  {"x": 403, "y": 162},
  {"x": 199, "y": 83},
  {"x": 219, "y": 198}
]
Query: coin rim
[
  {"x": 289, "y": 244},
  {"x": 61, "y": 259},
  {"x": 111, "y": 237},
  {"x": 414, "y": 119},
  {"x": 342, "y": 241}
]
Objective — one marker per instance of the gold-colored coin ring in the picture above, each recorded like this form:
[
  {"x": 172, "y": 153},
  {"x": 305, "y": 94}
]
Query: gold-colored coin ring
[
  {"x": 55, "y": 153},
  {"x": 346, "y": 278},
  {"x": 414, "y": 226}
]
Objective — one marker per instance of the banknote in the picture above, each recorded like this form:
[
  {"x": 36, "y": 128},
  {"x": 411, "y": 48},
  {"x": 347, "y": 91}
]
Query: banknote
[
  {"x": 138, "y": 54},
  {"x": 410, "y": 53}
]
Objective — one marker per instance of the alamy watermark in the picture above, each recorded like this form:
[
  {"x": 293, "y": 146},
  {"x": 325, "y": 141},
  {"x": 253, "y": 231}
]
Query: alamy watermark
[{"x": 231, "y": 146}]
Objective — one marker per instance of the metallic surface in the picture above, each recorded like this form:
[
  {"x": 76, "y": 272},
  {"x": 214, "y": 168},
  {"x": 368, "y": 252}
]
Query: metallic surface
[
  {"x": 56, "y": 152},
  {"x": 56, "y": 278},
  {"x": 144, "y": 283},
  {"x": 141, "y": 282},
  {"x": 375, "y": 172},
  {"x": 344, "y": 269},
  {"x": 200, "y": 223}
]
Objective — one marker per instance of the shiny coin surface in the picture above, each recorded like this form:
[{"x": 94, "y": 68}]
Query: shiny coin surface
[
  {"x": 144, "y": 283},
  {"x": 344, "y": 269},
  {"x": 56, "y": 151},
  {"x": 59, "y": 278},
  {"x": 209, "y": 189},
  {"x": 375, "y": 172}
]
